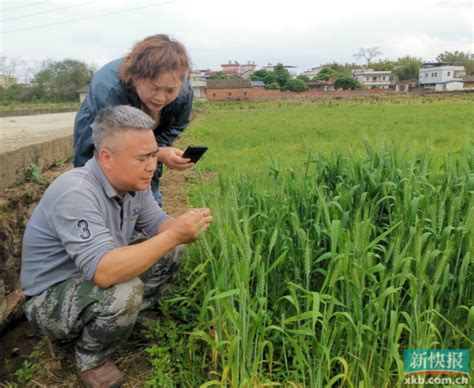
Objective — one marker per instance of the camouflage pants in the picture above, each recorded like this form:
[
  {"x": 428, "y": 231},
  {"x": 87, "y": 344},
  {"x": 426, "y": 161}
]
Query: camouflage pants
[{"x": 99, "y": 319}]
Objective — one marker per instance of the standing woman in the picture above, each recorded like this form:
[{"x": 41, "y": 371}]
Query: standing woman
[{"x": 153, "y": 77}]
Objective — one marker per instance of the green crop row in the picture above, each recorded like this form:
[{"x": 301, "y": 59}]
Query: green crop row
[{"x": 322, "y": 275}]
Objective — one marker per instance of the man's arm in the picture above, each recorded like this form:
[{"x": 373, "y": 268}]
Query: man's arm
[{"x": 122, "y": 264}]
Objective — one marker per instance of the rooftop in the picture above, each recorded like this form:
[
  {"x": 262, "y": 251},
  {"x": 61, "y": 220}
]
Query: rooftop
[
  {"x": 228, "y": 83},
  {"x": 438, "y": 64}
]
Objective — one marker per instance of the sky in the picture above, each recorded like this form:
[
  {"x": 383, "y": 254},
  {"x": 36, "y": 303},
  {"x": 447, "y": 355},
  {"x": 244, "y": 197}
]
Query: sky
[{"x": 301, "y": 33}]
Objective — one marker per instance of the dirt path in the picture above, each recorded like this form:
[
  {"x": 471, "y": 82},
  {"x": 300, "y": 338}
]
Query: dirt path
[
  {"x": 21, "y": 131},
  {"x": 54, "y": 364}
]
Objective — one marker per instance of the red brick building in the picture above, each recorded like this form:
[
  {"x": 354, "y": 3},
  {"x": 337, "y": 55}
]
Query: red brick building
[
  {"x": 322, "y": 85},
  {"x": 242, "y": 90},
  {"x": 229, "y": 89}
]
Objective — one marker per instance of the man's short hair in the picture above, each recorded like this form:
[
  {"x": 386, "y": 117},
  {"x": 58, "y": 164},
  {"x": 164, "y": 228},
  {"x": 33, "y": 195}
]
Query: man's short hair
[{"x": 112, "y": 120}]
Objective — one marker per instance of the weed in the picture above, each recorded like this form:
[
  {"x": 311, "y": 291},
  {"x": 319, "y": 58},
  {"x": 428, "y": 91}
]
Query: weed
[
  {"x": 58, "y": 163},
  {"x": 25, "y": 373},
  {"x": 33, "y": 173}
]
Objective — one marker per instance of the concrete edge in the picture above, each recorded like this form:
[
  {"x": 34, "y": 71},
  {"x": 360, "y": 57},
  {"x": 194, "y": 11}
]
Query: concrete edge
[
  {"x": 14, "y": 163},
  {"x": 31, "y": 112}
]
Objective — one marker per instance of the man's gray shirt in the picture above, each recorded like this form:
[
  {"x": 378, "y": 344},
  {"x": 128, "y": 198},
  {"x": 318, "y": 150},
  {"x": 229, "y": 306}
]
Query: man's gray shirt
[{"x": 79, "y": 219}]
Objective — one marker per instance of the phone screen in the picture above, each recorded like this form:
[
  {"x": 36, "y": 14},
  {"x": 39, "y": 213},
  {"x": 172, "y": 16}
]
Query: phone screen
[{"x": 194, "y": 152}]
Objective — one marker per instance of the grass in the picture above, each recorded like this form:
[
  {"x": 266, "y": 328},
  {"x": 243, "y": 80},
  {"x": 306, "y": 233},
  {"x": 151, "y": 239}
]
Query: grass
[{"x": 251, "y": 134}]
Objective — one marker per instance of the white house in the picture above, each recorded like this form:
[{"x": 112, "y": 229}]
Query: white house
[
  {"x": 7, "y": 80},
  {"x": 235, "y": 68},
  {"x": 198, "y": 83},
  {"x": 441, "y": 76},
  {"x": 372, "y": 79},
  {"x": 311, "y": 73}
]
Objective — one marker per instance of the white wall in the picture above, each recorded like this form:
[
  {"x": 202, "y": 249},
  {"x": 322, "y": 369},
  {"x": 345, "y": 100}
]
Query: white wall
[
  {"x": 448, "y": 86},
  {"x": 455, "y": 86},
  {"x": 367, "y": 78},
  {"x": 433, "y": 75}
]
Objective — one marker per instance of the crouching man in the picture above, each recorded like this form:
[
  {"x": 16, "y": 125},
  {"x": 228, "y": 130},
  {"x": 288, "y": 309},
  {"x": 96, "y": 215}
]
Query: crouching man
[{"x": 81, "y": 279}]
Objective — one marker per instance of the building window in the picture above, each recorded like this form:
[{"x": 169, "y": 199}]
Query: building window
[
  {"x": 213, "y": 94},
  {"x": 245, "y": 93},
  {"x": 449, "y": 73},
  {"x": 367, "y": 78},
  {"x": 383, "y": 78},
  {"x": 426, "y": 75},
  {"x": 229, "y": 94}
]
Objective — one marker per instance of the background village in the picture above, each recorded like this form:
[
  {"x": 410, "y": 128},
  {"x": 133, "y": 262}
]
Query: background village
[{"x": 66, "y": 80}]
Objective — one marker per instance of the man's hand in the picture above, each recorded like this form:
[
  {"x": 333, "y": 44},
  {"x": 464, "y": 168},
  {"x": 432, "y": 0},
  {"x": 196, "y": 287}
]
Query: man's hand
[
  {"x": 172, "y": 158},
  {"x": 116, "y": 265},
  {"x": 186, "y": 229}
]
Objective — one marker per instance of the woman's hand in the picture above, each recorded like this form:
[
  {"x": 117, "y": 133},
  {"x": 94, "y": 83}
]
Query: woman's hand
[{"x": 172, "y": 158}]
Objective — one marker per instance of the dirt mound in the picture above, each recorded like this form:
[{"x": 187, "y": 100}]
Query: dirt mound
[{"x": 16, "y": 205}]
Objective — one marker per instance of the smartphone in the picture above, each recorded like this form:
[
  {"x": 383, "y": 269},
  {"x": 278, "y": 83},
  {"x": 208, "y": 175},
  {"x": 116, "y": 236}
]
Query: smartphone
[{"x": 194, "y": 152}]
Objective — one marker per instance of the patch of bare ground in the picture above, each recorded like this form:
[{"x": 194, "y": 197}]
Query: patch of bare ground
[{"x": 53, "y": 362}]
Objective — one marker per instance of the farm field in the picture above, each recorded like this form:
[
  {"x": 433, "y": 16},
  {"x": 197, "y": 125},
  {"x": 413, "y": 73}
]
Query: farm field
[
  {"x": 343, "y": 234},
  {"x": 248, "y": 135}
]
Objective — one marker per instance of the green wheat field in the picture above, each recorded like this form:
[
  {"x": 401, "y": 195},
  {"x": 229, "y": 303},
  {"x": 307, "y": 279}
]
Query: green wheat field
[{"x": 343, "y": 234}]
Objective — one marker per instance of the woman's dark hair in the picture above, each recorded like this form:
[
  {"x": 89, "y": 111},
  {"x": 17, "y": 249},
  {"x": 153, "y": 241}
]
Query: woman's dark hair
[{"x": 154, "y": 55}]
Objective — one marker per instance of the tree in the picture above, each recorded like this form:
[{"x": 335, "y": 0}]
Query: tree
[
  {"x": 42, "y": 85},
  {"x": 272, "y": 85},
  {"x": 383, "y": 65},
  {"x": 303, "y": 77},
  {"x": 460, "y": 57},
  {"x": 326, "y": 73},
  {"x": 282, "y": 74},
  {"x": 267, "y": 77},
  {"x": 368, "y": 53},
  {"x": 345, "y": 68},
  {"x": 407, "y": 68},
  {"x": 61, "y": 80},
  {"x": 345, "y": 83},
  {"x": 10, "y": 65},
  {"x": 457, "y": 56},
  {"x": 218, "y": 75},
  {"x": 295, "y": 85},
  {"x": 259, "y": 75}
]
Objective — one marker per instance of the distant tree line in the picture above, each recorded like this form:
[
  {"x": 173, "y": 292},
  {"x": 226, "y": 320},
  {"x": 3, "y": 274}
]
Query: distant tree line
[
  {"x": 280, "y": 78},
  {"x": 54, "y": 81}
]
